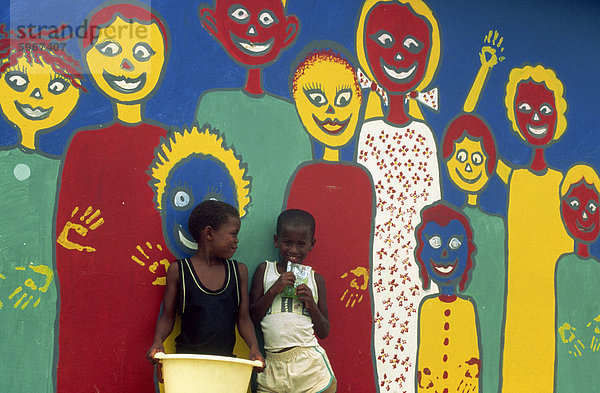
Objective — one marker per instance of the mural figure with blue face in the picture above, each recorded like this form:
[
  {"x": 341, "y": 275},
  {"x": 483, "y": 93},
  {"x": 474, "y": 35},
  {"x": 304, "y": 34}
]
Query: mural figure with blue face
[
  {"x": 448, "y": 344},
  {"x": 190, "y": 167}
]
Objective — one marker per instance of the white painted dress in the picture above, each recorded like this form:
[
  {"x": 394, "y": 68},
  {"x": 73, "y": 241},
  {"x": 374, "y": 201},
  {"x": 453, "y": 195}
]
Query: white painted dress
[{"x": 404, "y": 167}]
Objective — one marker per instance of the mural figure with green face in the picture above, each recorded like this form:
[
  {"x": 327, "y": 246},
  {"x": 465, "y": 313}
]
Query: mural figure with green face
[
  {"x": 339, "y": 195},
  {"x": 109, "y": 233},
  {"x": 469, "y": 152},
  {"x": 40, "y": 85},
  {"x": 263, "y": 127},
  {"x": 577, "y": 291}
]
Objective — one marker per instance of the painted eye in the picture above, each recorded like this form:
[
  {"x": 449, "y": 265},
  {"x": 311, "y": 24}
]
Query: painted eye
[
  {"x": 574, "y": 203},
  {"x": 238, "y": 13},
  {"x": 435, "y": 242},
  {"x": 316, "y": 97},
  {"x": 142, "y": 51},
  {"x": 477, "y": 158},
  {"x": 454, "y": 243},
  {"x": 462, "y": 155},
  {"x": 343, "y": 97},
  {"x": 524, "y": 107},
  {"x": 546, "y": 109},
  {"x": 412, "y": 44},
  {"x": 109, "y": 48},
  {"x": 266, "y": 18},
  {"x": 58, "y": 86},
  {"x": 592, "y": 207},
  {"x": 181, "y": 199},
  {"x": 383, "y": 38},
  {"x": 17, "y": 80}
]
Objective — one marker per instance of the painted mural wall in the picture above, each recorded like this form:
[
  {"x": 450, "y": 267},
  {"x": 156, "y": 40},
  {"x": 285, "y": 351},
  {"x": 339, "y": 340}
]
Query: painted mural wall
[{"x": 447, "y": 150}]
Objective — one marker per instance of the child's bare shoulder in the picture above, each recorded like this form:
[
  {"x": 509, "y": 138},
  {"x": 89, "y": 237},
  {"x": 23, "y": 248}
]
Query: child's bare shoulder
[
  {"x": 260, "y": 269},
  {"x": 320, "y": 280}
]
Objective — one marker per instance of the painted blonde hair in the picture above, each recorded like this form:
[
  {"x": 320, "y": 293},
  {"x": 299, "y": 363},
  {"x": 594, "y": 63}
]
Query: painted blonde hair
[
  {"x": 538, "y": 74},
  {"x": 420, "y": 9},
  {"x": 577, "y": 173}
]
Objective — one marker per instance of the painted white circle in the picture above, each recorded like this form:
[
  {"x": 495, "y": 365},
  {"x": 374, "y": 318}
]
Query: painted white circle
[{"x": 22, "y": 172}]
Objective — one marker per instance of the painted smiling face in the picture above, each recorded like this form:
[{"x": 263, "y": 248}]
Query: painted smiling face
[
  {"x": 252, "y": 32},
  {"x": 445, "y": 252},
  {"x": 535, "y": 111},
  {"x": 196, "y": 179},
  {"x": 328, "y": 101},
  {"x": 127, "y": 60},
  {"x": 398, "y": 43},
  {"x": 467, "y": 167},
  {"x": 579, "y": 209},
  {"x": 33, "y": 97}
]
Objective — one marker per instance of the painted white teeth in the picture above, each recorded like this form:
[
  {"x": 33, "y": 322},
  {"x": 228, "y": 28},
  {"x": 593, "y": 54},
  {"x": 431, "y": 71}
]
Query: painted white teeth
[
  {"x": 37, "y": 112},
  {"x": 399, "y": 75},
  {"x": 127, "y": 85},
  {"x": 444, "y": 269},
  {"x": 256, "y": 48},
  {"x": 538, "y": 130},
  {"x": 187, "y": 243}
]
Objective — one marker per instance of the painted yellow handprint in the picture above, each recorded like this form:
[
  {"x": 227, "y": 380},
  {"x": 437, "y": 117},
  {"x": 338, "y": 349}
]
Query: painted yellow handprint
[
  {"x": 143, "y": 259},
  {"x": 568, "y": 336},
  {"x": 492, "y": 49},
  {"x": 359, "y": 283},
  {"x": 90, "y": 220},
  {"x": 595, "y": 340},
  {"x": 25, "y": 293},
  {"x": 489, "y": 55}
]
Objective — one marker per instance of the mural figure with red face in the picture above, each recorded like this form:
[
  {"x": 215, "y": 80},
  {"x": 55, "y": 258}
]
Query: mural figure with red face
[
  {"x": 109, "y": 233},
  {"x": 398, "y": 47},
  {"x": 536, "y": 107},
  {"x": 263, "y": 127},
  {"x": 577, "y": 290}
]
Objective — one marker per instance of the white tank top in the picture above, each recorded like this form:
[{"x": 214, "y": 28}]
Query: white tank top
[{"x": 287, "y": 322}]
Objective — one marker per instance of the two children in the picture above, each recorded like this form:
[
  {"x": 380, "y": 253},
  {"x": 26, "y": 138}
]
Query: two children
[{"x": 211, "y": 293}]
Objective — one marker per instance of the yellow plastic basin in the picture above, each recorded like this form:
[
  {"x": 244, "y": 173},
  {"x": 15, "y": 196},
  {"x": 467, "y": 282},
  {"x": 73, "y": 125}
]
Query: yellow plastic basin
[{"x": 205, "y": 373}]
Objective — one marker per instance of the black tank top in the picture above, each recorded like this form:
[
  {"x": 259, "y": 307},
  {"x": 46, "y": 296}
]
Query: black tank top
[{"x": 208, "y": 317}]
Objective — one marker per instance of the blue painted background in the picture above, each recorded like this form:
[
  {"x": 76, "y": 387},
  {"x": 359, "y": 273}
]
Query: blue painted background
[{"x": 562, "y": 35}]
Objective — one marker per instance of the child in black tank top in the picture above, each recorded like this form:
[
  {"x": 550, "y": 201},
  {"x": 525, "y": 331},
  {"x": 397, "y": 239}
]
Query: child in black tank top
[{"x": 209, "y": 290}]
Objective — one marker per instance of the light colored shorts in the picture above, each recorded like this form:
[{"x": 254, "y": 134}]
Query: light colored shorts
[{"x": 299, "y": 369}]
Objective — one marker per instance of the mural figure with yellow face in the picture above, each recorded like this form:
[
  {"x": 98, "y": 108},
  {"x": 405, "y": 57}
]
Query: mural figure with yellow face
[
  {"x": 448, "y": 356},
  {"x": 263, "y": 127},
  {"x": 536, "y": 107},
  {"x": 39, "y": 90},
  {"x": 398, "y": 46},
  {"x": 109, "y": 233},
  {"x": 469, "y": 152},
  {"x": 577, "y": 291},
  {"x": 339, "y": 195}
]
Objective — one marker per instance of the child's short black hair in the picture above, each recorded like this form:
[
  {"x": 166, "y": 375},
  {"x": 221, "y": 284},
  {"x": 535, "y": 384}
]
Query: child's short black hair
[
  {"x": 297, "y": 218},
  {"x": 210, "y": 213}
]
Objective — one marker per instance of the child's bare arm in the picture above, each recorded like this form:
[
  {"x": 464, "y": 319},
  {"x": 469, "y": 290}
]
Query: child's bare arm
[
  {"x": 245, "y": 326},
  {"x": 165, "y": 322},
  {"x": 318, "y": 312},
  {"x": 259, "y": 301}
]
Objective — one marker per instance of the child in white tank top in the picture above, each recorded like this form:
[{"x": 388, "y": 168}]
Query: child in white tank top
[{"x": 294, "y": 359}]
